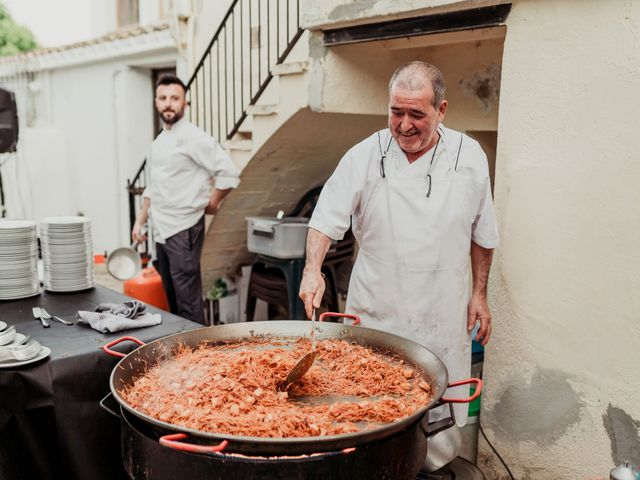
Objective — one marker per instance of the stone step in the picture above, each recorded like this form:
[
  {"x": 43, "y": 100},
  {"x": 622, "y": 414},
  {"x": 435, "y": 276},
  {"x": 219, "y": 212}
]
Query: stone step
[
  {"x": 242, "y": 145},
  {"x": 290, "y": 68},
  {"x": 262, "y": 110}
]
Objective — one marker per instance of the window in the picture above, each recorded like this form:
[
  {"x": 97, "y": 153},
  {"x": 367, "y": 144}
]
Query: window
[{"x": 128, "y": 13}]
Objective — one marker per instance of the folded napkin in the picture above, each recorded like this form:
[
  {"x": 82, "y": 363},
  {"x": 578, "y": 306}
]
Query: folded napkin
[
  {"x": 113, "y": 317},
  {"x": 12, "y": 353},
  {"x": 130, "y": 309}
]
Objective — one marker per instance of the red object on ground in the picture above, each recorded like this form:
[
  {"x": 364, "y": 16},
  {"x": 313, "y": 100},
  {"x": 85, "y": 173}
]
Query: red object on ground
[
  {"x": 147, "y": 287},
  {"x": 98, "y": 258}
]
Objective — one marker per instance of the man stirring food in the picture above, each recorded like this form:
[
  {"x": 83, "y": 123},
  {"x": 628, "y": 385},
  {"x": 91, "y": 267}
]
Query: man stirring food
[
  {"x": 418, "y": 198},
  {"x": 182, "y": 162}
]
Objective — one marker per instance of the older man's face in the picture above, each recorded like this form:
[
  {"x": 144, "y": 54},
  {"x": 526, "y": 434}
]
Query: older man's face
[
  {"x": 413, "y": 120},
  {"x": 170, "y": 102}
]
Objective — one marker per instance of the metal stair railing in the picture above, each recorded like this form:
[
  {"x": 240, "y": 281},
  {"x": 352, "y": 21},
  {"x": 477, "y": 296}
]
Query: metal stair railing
[
  {"x": 236, "y": 68},
  {"x": 253, "y": 37}
]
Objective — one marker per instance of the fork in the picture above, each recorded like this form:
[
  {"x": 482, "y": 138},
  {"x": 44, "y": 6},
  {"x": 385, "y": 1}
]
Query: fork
[{"x": 46, "y": 316}]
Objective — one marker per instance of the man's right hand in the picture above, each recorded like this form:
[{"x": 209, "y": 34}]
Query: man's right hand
[
  {"x": 312, "y": 289},
  {"x": 137, "y": 234}
]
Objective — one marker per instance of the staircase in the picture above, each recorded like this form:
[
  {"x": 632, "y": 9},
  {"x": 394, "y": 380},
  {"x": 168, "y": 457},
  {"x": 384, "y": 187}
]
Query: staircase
[
  {"x": 235, "y": 83},
  {"x": 245, "y": 54}
]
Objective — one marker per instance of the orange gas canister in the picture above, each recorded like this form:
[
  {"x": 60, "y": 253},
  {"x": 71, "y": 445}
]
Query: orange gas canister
[{"x": 147, "y": 287}]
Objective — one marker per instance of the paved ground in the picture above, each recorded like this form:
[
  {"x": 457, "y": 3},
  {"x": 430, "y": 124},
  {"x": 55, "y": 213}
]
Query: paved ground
[{"x": 105, "y": 279}]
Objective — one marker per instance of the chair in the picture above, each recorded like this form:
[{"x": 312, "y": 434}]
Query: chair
[{"x": 277, "y": 281}]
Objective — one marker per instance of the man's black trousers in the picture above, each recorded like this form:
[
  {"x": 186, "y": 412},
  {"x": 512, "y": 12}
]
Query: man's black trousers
[{"x": 179, "y": 267}]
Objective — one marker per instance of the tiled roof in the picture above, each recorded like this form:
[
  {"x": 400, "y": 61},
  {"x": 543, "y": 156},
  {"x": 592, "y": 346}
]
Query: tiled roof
[
  {"x": 125, "y": 41},
  {"x": 120, "y": 34}
]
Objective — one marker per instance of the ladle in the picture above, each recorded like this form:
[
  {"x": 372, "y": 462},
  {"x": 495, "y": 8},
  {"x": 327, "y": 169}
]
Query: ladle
[{"x": 304, "y": 364}]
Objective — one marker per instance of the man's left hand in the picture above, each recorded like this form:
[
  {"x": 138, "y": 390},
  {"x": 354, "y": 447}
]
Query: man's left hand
[{"x": 478, "y": 311}]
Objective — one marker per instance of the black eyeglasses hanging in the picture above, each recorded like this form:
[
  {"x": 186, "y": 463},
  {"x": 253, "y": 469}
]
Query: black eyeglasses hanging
[
  {"x": 433, "y": 156},
  {"x": 383, "y": 155}
]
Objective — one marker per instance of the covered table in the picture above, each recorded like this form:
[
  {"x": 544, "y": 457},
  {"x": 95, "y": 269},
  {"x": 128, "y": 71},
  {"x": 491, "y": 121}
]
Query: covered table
[{"x": 51, "y": 423}]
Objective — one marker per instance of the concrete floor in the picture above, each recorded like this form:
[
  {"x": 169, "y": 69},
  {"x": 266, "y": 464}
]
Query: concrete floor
[{"x": 104, "y": 279}]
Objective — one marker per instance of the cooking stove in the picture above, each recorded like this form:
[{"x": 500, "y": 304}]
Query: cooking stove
[{"x": 457, "y": 469}]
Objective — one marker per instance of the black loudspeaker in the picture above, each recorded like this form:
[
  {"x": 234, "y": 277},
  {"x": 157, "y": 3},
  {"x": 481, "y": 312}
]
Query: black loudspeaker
[{"x": 8, "y": 121}]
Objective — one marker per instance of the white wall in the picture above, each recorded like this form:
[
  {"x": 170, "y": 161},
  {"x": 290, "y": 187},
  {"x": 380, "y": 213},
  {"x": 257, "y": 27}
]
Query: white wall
[
  {"x": 104, "y": 114},
  {"x": 349, "y": 82},
  {"x": 208, "y": 16},
  {"x": 35, "y": 178},
  {"x": 104, "y": 13},
  {"x": 562, "y": 397},
  {"x": 103, "y": 17}
]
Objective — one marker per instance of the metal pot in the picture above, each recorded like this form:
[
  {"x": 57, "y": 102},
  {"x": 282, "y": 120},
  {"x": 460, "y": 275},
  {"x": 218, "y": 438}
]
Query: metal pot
[
  {"x": 124, "y": 263},
  {"x": 169, "y": 435},
  {"x": 398, "y": 457}
]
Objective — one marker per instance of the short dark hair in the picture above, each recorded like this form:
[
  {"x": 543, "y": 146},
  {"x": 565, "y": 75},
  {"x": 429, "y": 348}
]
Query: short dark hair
[{"x": 169, "y": 79}]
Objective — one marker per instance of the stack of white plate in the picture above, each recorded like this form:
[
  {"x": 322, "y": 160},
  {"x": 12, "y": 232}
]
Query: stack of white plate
[
  {"x": 67, "y": 254},
  {"x": 18, "y": 259}
]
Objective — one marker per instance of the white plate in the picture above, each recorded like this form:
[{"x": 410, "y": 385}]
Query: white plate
[
  {"x": 7, "y": 336},
  {"x": 64, "y": 220},
  {"x": 32, "y": 293},
  {"x": 69, "y": 289},
  {"x": 16, "y": 224},
  {"x": 44, "y": 353}
]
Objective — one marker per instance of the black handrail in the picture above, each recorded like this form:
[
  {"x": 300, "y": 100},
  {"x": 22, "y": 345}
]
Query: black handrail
[
  {"x": 220, "y": 97},
  {"x": 241, "y": 45}
]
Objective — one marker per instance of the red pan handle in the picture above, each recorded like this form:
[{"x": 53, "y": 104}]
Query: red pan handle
[
  {"x": 355, "y": 318},
  {"x": 171, "y": 441},
  {"x": 470, "y": 399},
  {"x": 107, "y": 347}
]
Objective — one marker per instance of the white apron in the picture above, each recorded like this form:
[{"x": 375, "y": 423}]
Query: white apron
[{"x": 411, "y": 277}]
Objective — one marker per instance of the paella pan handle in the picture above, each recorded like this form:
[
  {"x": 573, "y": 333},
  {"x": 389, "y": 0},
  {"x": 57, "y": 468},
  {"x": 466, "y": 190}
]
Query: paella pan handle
[
  {"x": 172, "y": 441},
  {"x": 444, "y": 424},
  {"x": 104, "y": 404},
  {"x": 107, "y": 347},
  {"x": 470, "y": 399},
  {"x": 355, "y": 318}
]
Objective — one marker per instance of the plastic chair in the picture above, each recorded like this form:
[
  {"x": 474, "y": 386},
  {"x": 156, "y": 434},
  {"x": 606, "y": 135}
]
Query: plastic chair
[{"x": 274, "y": 280}]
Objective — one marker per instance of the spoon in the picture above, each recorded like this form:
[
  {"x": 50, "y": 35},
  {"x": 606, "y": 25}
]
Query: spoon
[{"x": 304, "y": 364}]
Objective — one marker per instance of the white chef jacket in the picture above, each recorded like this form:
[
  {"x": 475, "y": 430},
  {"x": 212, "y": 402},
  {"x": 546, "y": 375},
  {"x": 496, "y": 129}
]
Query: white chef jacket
[
  {"x": 181, "y": 164},
  {"x": 411, "y": 277}
]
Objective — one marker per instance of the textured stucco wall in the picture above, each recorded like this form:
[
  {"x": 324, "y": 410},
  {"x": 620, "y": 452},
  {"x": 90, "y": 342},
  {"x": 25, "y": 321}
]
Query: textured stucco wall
[
  {"x": 354, "y": 78},
  {"x": 562, "y": 393}
]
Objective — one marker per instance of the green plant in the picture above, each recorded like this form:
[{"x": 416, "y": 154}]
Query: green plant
[
  {"x": 218, "y": 290},
  {"x": 14, "y": 38}
]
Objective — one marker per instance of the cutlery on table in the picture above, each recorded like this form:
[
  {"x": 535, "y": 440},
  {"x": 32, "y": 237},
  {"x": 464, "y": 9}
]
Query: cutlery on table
[
  {"x": 38, "y": 315},
  {"x": 44, "y": 314}
]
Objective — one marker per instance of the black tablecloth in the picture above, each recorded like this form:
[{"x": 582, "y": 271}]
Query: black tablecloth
[{"x": 51, "y": 424}]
